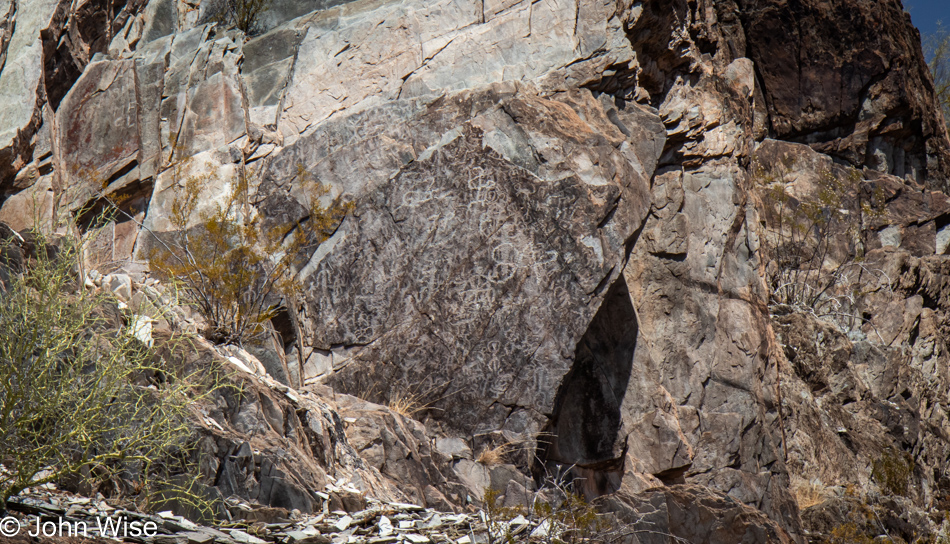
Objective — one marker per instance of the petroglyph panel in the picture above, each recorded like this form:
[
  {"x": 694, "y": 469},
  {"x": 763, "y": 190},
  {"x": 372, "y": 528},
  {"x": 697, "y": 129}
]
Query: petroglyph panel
[
  {"x": 471, "y": 292},
  {"x": 465, "y": 274}
]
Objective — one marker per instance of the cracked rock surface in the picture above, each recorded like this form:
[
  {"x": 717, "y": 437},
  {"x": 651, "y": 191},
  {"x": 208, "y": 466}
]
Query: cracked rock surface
[{"x": 556, "y": 250}]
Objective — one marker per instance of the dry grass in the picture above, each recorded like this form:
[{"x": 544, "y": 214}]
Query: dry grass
[
  {"x": 406, "y": 403},
  {"x": 809, "y": 493},
  {"x": 409, "y": 400},
  {"x": 495, "y": 456}
]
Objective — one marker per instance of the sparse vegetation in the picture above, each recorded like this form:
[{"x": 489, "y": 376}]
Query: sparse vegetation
[
  {"x": 570, "y": 520},
  {"x": 894, "y": 471},
  {"x": 559, "y": 515},
  {"x": 808, "y": 493},
  {"x": 232, "y": 267},
  {"x": 82, "y": 399},
  {"x": 849, "y": 533},
  {"x": 405, "y": 403},
  {"x": 816, "y": 240},
  {"x": 406, "y": 399},
  {"x": 243, "y": 14},
  {"x": 495, "y": 456}
]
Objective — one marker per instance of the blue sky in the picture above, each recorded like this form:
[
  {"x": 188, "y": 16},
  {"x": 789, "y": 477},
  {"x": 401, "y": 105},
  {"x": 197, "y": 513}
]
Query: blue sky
[{"x": 926, "y": 13}]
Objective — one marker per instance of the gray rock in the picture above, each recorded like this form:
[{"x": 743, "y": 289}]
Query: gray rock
[
  {"x": 244, "y": 538},
  {"x": 501, "y": 475},
  {"x": 890, "y": 236},
  {"x": 475, "y": 476},
  {"x": 161, "y": 19},
  {"x": 31, "y": 207},
  {"x": 268, "y": 61},
  {"x": 695, "y": 514},
  {"x": 272, "y": 361},
  {"x": 197, "y": 537},
  {"x": 455, "y": 448},
  {"x": 21, "y": 77},
  {"x": 366, "y": 52},
  {"x": 479, "y": 242},
  {"x": 120, "y": 285}
]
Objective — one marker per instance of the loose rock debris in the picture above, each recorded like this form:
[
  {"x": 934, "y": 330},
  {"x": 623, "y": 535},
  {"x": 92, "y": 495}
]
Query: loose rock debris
[{"x": 380, "y": 523}]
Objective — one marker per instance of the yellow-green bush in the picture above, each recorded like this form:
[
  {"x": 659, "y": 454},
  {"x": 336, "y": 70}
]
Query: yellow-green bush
[
  {"x": 230, "y": 266},
  {"x": 81, "y": 398},
  {"x": 893, "y": 471}
]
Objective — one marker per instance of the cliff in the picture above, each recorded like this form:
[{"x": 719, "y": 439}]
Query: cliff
[{"x": 561, "y": 241}]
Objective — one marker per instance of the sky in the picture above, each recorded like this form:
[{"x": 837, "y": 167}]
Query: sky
[{"x": 926, "y": 13}]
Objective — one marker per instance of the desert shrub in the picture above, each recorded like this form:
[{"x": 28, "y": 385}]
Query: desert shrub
[
  {"x": 809, "y": 493},
  {"x": 81, "y": 399},
  {"x": 569, "y": 520},
  {"x": 849, "y": 533},
  {"x": 937, "y": 52},
  {"x": 406, "y": 403},
  {"x": 558, "y": 514},
  {"x": 893, "y": 471},
  {"x": 242, "y": 14},
  {"x": 230, "y": 265},
  {"x": 497, "y": 517},
  {"x": 492, "y": 456},
  {"x": 815, "y": 243}
]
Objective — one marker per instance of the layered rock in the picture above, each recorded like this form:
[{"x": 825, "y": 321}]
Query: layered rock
[
  {"x": 22, "y": 83},
  {"x": 851, "y": 83},
  {"x": 556, "y": 239}
]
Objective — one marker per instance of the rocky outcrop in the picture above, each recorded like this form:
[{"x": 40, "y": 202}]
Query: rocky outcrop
[
  {"x": 556, "y": 247},
  {"x": 22, "y": 80},
  {"x": 866, "y": 401},
  {"x": 849, "y": 80},
  {"x": 279, "y": 447},
  {"x": 392, "y": 521},
  {"x": 693, "y": 514},
  {"x": 482, "y": 247}
]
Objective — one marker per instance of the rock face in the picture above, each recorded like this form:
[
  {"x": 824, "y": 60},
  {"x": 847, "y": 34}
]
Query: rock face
[
  {"x": 557, "y": 247},
  {"x": 22, "y": 80},
  {"x": 870, "y": 106},
  {"x": 500, "y": 240}
]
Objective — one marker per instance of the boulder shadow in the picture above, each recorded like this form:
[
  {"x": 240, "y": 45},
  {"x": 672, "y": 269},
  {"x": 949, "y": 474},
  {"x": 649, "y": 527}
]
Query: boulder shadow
[{"x": 581, "y": 443}]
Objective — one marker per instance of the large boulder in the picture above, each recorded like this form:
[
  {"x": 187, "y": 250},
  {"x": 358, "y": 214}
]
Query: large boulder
[
  {"x": 554, "y": 245},
  {"x": 849, "y": 79},
  {"x": 471, "y": 273}
]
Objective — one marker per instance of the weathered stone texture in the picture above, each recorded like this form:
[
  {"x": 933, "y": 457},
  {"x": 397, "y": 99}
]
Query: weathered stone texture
[
  {"x": 479, "y": 253},
  {"x": 555, "y": 241},
  {"x": 694, "y": 514},
  {"x": 21, "y": 80},
  {"x": 851, "y": 84}
]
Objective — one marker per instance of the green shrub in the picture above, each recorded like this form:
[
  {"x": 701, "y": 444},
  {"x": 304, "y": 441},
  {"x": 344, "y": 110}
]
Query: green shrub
[
  {"x": 81, "y": 399},
  {"x": 893, "y": 471},
  {"x": 231, "y": 266}
]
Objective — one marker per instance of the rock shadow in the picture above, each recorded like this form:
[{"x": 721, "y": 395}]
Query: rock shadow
[{"x": 584, "y": 430}]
